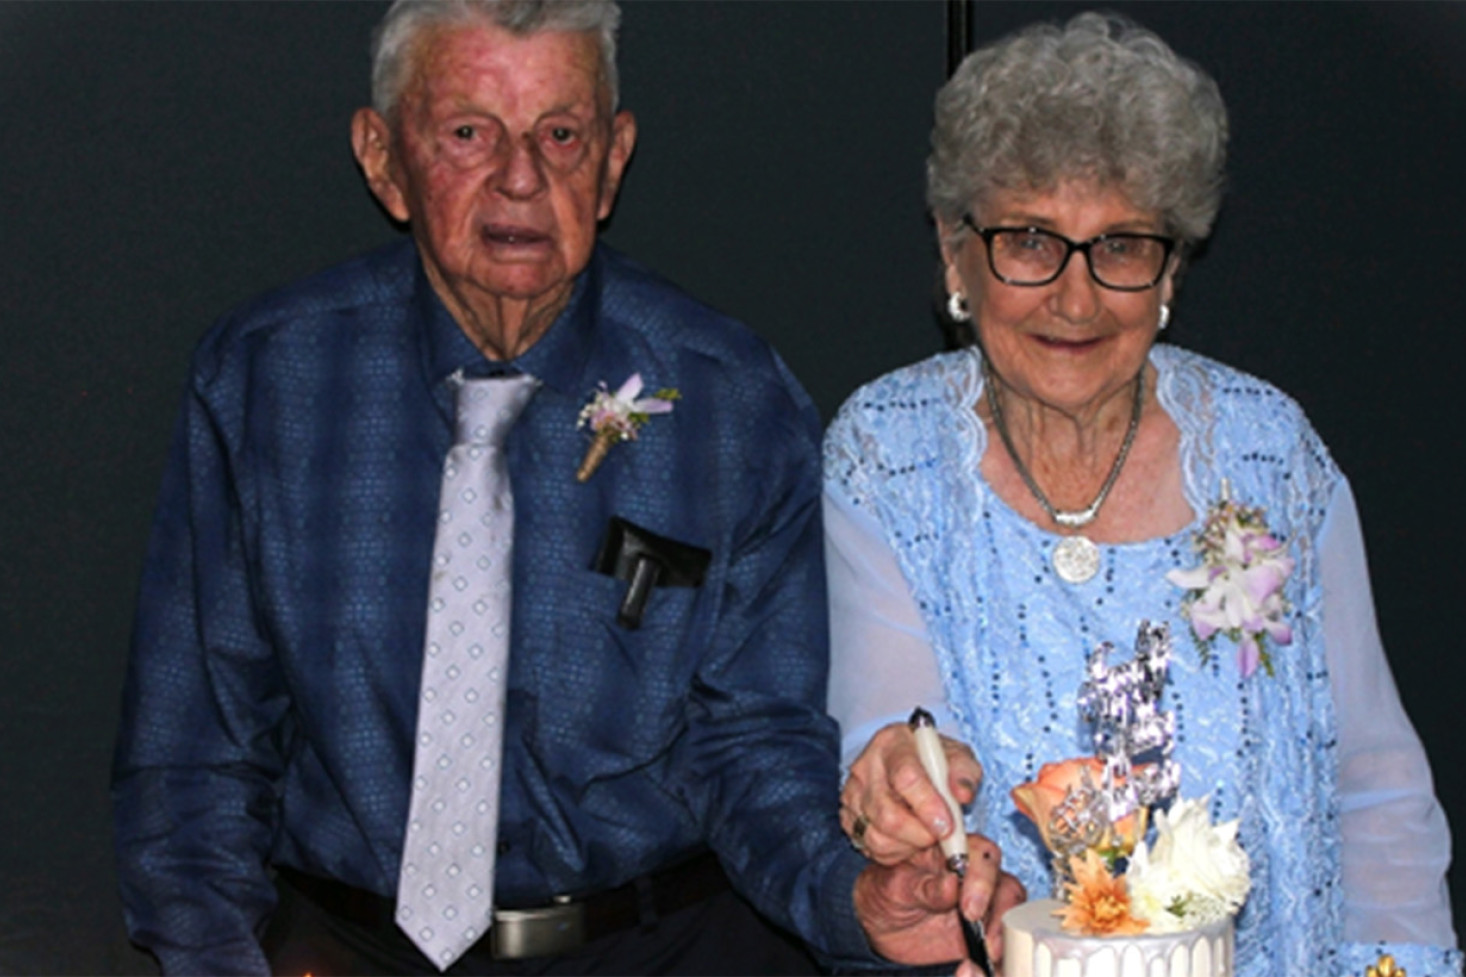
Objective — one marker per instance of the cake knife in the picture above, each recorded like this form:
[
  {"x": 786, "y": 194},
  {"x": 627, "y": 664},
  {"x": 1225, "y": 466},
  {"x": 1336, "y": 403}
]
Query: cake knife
[{"x": 954, "y": 846}]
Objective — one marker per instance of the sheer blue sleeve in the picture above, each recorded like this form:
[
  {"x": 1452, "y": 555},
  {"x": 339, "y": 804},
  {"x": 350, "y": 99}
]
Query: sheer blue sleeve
[
  {"x": 1396, "y": 844},
  {"x": 881, "y": 661}
]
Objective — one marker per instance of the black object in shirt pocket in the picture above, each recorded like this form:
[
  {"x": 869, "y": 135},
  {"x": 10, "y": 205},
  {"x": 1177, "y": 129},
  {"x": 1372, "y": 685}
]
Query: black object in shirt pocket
[{"x": 646, "y": 560}]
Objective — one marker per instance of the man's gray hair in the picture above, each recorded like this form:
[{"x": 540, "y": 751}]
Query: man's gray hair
[
  {"x": 1100, "y": 98},
  {"x": 406, "y": 20}
]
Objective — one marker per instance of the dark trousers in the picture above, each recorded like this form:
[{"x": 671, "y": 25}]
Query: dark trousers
[{"x": 721, "y": 935}]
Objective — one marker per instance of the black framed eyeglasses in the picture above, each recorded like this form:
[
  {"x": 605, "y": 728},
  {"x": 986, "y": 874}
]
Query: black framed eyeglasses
[{"x": 1027, "y": 256}]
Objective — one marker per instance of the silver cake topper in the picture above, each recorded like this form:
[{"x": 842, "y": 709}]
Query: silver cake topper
[
  {"x": 1132, "y": 743},
  {"x": 1123, "y": 703}
]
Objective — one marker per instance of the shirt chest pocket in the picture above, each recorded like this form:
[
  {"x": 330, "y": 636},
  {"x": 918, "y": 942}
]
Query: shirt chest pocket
[{"x": 614, "y": 694}]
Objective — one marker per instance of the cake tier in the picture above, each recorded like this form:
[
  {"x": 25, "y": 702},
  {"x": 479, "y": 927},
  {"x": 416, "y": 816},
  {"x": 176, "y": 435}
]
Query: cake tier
[{"x": 1035, "y": 946}]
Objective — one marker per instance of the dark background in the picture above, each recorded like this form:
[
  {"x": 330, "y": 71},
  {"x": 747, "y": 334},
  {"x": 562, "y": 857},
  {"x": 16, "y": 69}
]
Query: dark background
[{"x": 163, "y": 162}]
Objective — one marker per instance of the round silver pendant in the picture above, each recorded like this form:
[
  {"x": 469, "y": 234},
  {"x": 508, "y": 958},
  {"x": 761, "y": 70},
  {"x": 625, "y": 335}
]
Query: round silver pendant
[{"x": 1076, "y": 559}]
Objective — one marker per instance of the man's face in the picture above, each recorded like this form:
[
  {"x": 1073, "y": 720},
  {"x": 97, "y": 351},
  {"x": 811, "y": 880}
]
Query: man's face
[{"x": 503, "y": 159}]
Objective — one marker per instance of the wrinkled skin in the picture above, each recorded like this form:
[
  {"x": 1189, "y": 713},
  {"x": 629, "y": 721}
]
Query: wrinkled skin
[
  {"x": 502, "y": 158},
  {"x": 909, "y": 909},
  {"x": 890, "y": 788},
  {"x": 908, "y": 898}
]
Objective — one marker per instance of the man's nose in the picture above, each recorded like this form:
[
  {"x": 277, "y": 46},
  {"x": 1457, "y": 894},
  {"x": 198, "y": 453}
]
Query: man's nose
[{"x": 523, "y": 173}]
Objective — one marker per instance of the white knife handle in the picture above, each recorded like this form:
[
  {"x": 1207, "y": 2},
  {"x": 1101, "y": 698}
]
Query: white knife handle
[{"x": 934, "y": 760}]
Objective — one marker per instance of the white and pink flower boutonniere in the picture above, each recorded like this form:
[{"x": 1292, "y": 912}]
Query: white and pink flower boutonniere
[
  {"x": 614, "y": 417},
  {"x": 1238, "y": 588}
]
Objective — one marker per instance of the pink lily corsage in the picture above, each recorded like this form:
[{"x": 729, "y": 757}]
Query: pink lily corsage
[
  {"x": 614, "y": 417},
  {"x": 1238, "y": 588}
]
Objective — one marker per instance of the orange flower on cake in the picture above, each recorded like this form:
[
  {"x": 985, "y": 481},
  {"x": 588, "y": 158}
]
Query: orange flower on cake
[
  {"x": 1046, "y": 801},
  {"x": 1096, "y": 902}
]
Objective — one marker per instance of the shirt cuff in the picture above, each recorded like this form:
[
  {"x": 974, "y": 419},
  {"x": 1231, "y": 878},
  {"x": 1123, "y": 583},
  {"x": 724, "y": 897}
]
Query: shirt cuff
[{"x": 849, "y": 950}]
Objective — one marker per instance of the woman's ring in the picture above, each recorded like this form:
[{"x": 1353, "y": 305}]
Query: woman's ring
[{"x": 857, "y": 832}]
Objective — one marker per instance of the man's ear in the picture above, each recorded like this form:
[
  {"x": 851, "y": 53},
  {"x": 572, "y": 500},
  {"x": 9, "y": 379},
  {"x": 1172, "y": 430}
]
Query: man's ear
[
  {"x": 623, "y": 141},
  {"x": 371, "y": 141}
]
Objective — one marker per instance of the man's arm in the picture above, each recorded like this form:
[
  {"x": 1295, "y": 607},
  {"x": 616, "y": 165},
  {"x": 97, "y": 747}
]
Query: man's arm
[
  {"x": 761, "y": 754},
  {"x": 199, "y": 747},
  {"x": 759, "y": 758}
]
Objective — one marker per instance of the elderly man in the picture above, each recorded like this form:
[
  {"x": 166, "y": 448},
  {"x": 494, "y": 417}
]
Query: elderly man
[{"x": 418, "y": 687}]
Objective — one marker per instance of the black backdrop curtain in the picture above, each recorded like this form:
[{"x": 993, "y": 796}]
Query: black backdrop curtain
[{"x": 163, "y": 162}]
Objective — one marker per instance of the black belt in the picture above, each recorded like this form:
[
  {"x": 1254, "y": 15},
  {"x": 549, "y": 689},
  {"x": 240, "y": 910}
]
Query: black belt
[{"x": 563, "y": 926}]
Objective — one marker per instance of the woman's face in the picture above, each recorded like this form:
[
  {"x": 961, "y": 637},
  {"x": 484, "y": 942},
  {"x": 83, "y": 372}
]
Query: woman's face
[{"x": 1072, "y": 344}]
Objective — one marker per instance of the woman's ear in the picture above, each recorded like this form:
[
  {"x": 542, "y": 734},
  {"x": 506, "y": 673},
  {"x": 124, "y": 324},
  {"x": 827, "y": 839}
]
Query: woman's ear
[
  {"x": 945, "y": 236},
  {"x": 1170, "y": 278}
]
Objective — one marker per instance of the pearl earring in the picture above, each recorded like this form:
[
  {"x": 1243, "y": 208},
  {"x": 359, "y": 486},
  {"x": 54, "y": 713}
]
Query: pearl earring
[{"x": 957, "y": 307}]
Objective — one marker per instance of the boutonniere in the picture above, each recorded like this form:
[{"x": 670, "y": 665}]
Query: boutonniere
[
  {"x": 614, "y": 417},
  {"x": 1238, "y": 588}
]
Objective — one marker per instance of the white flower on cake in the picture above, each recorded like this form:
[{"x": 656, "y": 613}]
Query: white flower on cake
[{"x": 1194, "y": 874}]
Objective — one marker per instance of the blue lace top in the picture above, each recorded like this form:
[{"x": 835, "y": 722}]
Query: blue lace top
[{"x": 944, "y": 596}]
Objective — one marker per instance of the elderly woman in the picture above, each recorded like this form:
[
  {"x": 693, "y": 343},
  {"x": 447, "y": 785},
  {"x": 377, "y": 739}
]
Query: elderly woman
[{"x": 994, "y": 513}]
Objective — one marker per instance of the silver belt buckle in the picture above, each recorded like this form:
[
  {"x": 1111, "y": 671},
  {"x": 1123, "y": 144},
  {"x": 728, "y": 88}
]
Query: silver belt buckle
[{"x": 542, "y": 932}]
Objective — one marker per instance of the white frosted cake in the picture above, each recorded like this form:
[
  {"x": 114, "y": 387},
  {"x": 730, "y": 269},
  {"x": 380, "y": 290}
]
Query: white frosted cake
[{"x": 1035, "y": 946}]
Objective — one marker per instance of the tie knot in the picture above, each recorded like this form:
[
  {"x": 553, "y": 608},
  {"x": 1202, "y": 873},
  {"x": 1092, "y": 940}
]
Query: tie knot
[{"x": 488, "y": 408}]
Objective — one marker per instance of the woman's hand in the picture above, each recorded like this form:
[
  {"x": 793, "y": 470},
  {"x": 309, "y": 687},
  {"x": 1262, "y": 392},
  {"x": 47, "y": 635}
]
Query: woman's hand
[
  {"x": 889, "y": 807},
  {"x": 909, "y": 910}
]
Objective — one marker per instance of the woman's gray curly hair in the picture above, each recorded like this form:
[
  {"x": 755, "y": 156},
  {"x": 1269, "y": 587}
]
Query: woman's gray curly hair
[
  {"x": 1100, "y": 98},
  {"x": 407, "y": 20}
]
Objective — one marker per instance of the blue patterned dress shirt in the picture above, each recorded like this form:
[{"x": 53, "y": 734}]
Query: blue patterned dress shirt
[{"x": 271, "y": 695}]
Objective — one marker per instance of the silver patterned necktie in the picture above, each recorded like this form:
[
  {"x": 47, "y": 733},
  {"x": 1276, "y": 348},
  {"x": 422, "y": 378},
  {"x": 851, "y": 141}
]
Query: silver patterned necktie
[{"x": 445, "y": 884}]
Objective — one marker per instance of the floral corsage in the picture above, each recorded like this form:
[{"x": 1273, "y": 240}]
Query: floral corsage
[
  {"x": 1238, "y": 588},
  {"x": 614, "y": 417}
]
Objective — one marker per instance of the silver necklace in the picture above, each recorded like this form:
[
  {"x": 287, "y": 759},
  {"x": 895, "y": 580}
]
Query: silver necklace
[{"x": 1076, "y": 558}]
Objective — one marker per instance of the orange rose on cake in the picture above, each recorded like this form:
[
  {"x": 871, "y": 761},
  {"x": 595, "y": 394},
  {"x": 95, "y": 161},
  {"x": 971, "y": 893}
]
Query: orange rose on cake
[{"x": 1039, "y": 800}]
